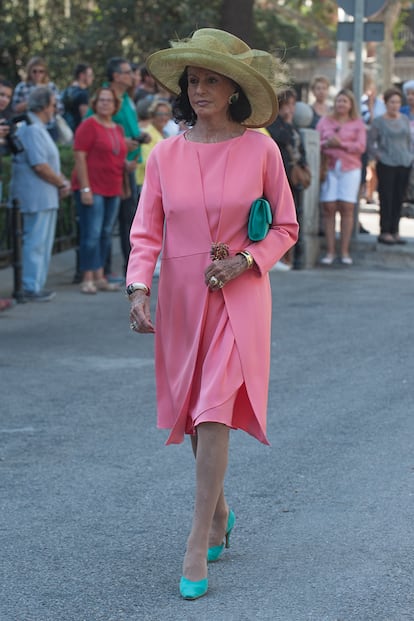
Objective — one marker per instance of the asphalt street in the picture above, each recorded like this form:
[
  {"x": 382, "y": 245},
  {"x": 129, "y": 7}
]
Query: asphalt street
[{"x": 95, "y": 510}]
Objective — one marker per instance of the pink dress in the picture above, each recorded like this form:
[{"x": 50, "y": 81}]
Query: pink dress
[{"x": 212, "y": 349}]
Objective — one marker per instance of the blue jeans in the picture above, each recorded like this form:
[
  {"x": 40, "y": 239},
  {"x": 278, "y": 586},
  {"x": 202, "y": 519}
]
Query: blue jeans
[
  {"x": 38, "y": 237},
  {"x": 96, "y": 223}
]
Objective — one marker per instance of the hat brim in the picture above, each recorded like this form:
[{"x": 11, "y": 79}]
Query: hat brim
[{"x": 167, "y": 66}]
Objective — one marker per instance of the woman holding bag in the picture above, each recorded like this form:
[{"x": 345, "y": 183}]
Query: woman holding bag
[{"x": 212, "y": 335}]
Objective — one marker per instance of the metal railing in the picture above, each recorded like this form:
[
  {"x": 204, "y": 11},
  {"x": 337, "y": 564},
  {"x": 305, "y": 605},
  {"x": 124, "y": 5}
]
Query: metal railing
[{"x": 11, "y": 238}]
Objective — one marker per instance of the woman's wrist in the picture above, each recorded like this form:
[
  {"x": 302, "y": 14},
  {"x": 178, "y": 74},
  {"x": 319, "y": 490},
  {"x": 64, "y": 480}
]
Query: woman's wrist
[{"x": 247, "y": 257}]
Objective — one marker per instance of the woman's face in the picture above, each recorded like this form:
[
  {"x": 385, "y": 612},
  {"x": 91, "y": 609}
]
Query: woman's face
[
  {"x": 393, "y": 105},
  {"x": 105, "y": 104},
  {"x": 209, "y": 92},
  {"x": 343, "y": 105},
  {"x": 161, "y": 117},
  {"x": 37, "y": 74},
  {"x": 287, "y": 110},
  {"x": 5, "y": 97},
  {"x": 320, "y": 90}
]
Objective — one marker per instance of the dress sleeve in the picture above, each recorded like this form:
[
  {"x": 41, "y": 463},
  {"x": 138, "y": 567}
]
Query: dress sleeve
[
  {"x": 147, "y": 228},
  {"x": 284, "y": 229},
  {"x": 324, "y": 132}
]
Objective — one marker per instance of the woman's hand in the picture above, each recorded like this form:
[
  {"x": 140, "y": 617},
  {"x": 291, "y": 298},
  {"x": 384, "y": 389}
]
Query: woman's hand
[
  {"x": 333, "y": 141},
  {"x": 132, "y": 145},
  {"x": 21, "y": 107},
  {"x": 223, "y": 271},
  {"x": 65, "y": 190},
  {"x": 86, "y": 198},
  {"x": 139, "y": 314},
  {"x": 130, "y": 166}
]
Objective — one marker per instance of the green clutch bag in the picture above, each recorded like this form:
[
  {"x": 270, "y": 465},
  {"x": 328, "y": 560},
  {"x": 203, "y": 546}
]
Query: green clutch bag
[{"x": 260, "y": 219}]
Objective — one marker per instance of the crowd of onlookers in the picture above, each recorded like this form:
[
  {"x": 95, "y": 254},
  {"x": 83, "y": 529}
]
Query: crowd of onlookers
[
  {"x": 112, "y": 130},
  {"x": 366, "y": 148},
  {"x": 367, "y": 151}
]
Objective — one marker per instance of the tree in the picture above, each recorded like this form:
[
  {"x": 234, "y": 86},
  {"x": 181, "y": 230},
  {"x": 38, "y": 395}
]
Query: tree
[
  {"x": 297, "y": 28},
  {"x": 389, "y": 15},
  {"x": 237, "y": 18},
  {"x": 94, "y": 32},
  {"x": 99, "y": 29}
]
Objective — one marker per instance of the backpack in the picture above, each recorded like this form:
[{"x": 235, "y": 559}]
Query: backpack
[{"x": 67, "y": 99}]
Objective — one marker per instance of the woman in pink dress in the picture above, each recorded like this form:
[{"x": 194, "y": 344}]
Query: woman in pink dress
[{"x": 212, "y": 328}]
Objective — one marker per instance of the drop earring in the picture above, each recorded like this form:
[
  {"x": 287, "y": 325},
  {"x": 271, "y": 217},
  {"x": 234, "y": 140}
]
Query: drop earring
[{"x": 233, "y": 98}]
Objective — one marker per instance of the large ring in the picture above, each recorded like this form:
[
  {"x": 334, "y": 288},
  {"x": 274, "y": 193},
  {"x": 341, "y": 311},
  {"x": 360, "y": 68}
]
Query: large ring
[
  {"x": 133, "y": 325},
  {"x": 213, "y": 281}
]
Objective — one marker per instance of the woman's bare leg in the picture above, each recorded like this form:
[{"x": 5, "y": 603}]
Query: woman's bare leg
[
  {"x": 211, "y": 464},
  {"x": 221, "y": 513},
  {"x": 329, "y": 210},
  {"x": 347, "y": 225}
]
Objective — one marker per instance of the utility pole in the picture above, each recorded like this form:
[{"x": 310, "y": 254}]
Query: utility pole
[{"x": 358, "y": 49}]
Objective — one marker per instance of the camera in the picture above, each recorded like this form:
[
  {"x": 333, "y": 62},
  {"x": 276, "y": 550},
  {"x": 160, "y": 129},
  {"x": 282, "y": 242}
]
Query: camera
[
  {"x": 141, "y": 139},
  {"x": 12, "y": 140}
]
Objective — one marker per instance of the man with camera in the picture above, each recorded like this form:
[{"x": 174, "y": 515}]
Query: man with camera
[{"x": 6, "y": 92}]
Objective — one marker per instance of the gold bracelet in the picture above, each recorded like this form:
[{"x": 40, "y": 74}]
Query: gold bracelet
[
  {"x": 137, "y": 286},
  {"x": 248, "y": 257}
]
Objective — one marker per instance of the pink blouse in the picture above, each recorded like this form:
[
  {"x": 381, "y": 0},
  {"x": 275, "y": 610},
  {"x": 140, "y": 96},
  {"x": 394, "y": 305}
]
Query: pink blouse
[{"x": 353, "y": 137}]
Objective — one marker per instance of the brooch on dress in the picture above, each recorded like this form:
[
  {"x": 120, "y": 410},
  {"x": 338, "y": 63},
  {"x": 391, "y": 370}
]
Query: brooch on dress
[{"x": 219, "y": 251}]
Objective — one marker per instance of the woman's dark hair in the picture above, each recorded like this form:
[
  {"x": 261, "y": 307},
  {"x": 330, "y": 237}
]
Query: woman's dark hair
[
  {"x": 390, "y": 92},
  {"x": 6, "y": 83},
  {"x": 284, "y": 97},
  {"x": 182, "y": 110}
]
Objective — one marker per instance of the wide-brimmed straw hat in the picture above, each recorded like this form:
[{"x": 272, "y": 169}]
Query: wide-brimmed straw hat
[{"x": 255, "y": 71}]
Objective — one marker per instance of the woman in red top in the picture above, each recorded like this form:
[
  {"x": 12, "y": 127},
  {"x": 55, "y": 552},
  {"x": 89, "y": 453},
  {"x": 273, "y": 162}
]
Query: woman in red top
[{"x": 100, "y": 152}]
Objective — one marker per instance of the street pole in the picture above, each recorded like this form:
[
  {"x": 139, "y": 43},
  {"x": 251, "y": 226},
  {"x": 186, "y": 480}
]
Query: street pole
[
  {"x": 358, "y": 50},
  {"x": 358, "y": 75}
]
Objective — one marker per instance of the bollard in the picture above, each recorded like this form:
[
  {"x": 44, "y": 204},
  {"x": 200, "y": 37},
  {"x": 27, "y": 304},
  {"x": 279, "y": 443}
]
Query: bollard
[{"x": 17, "y": 235}]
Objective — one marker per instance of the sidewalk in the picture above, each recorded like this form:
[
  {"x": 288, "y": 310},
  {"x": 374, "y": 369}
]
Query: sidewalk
[
  {"x": 366, "y": 250},
  {"x": 61, "y": 272},
  {"x": 95, "y": 510}
]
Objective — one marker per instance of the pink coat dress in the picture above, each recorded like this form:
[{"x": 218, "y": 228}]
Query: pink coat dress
[{"x": 212, "y": 349}]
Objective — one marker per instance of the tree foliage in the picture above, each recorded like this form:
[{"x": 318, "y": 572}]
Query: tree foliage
[
  {"x": 94, "y": 31},
  {"x": 99, "y": 29}
]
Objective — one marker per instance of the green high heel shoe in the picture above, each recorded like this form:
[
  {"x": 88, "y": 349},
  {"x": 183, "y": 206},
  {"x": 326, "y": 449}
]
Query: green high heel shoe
[
  {"x": 193, "y": 590},
  {"x": 214, "y": 553}
]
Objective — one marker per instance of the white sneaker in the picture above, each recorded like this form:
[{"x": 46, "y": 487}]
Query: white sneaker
[
  {"x": 328, "y": 260},
  {"x": 346, "y": 261}
]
